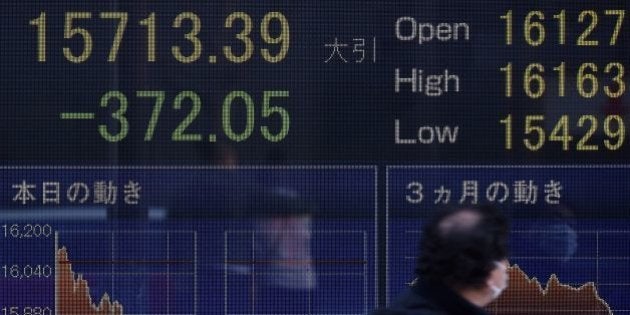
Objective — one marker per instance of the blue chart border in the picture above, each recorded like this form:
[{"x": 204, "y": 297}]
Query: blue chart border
[
  {"x": 239, "y": 167},
  {"x": 415, "y": 167}
]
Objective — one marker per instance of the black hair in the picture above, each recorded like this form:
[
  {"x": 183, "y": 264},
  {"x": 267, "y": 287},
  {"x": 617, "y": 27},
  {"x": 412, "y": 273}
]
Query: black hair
[{"x": 459, "y": 246}]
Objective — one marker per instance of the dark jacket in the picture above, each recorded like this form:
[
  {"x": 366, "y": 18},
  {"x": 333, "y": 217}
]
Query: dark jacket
[{"x": 431, "y": 299}]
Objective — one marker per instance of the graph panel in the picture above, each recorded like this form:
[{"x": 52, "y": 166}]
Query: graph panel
[
  {"x": 568, "y": 250},
  {"x": 192, "y": 240}
]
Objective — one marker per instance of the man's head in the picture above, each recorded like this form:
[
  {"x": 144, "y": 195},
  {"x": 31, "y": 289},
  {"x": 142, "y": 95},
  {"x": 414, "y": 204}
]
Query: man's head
[{"x": 466, "y": 249}]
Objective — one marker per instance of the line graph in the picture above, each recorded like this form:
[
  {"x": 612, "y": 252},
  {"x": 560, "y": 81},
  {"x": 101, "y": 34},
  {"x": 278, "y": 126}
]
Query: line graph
[
  {"x": 527, "y": 295},
  {"x": 74, "y": 290},
  {"x": 73, "y": 294},
  {"x": 591, "y": 262}
]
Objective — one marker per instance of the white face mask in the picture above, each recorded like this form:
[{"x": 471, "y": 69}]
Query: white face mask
[{"x": 496, "y": 291}]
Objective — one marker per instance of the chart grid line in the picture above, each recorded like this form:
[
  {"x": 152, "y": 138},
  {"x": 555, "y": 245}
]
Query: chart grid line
[{"x": 251, "y": 236}]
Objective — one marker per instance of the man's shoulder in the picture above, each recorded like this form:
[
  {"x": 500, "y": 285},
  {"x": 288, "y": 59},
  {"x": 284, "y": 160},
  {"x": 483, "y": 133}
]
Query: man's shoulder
[{"x": 431, "y": 299}]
